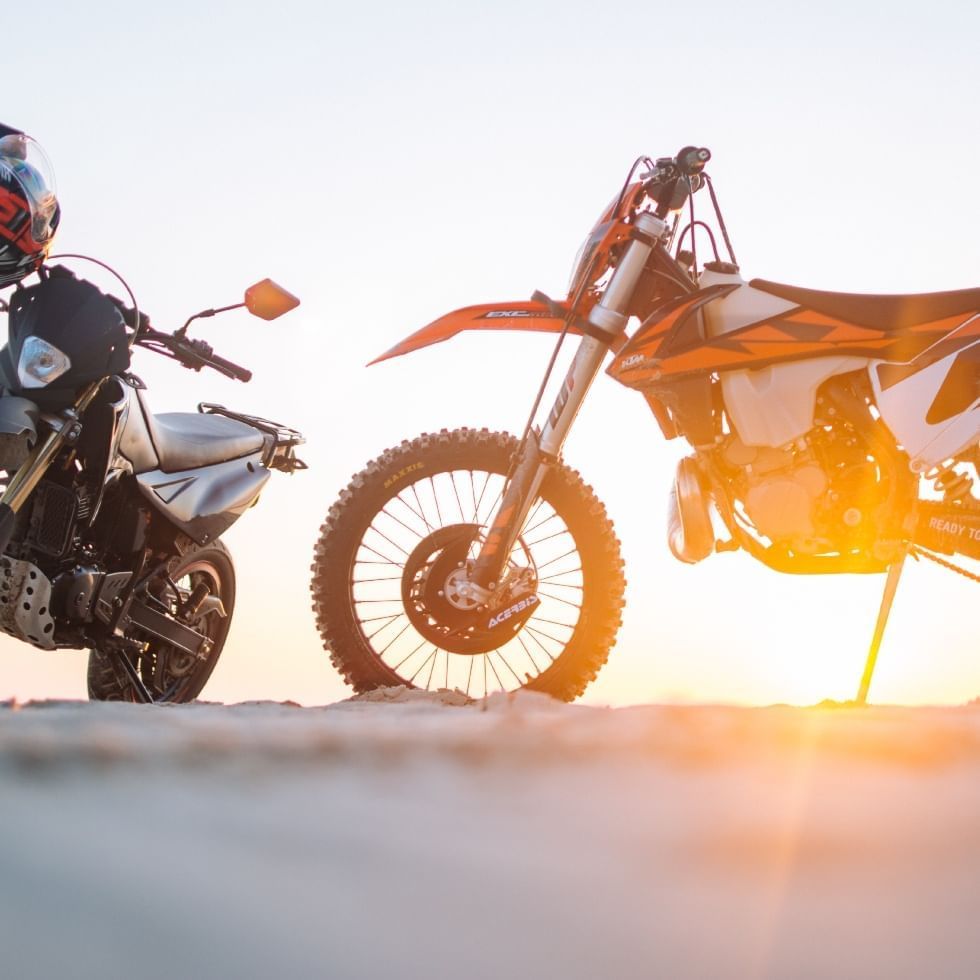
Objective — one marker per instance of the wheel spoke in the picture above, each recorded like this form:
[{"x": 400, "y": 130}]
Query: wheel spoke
[
  {"x": 473, "y": 494},
  {"x": 547, "y": 636},
  {"x": 508, "y": 666},
  {"x": 553, "y": 622},
  {"x": 435, "y": 498},
  {"x": 459, "y": 503},
  {"x": 529, "y": 654},
  {"x": 573, "y": 551},
  {"x": 387, "y": 560},
  {"x": 571, "y": 571},
  {"x": 391, "y": 643},
  {"x": 411, "y": 530},
  {"x": 381, "y": 629},
  {"x": 397, "y": 666},
  {"x": 381, "y": 534},
  {"x": 425, "y": 662},
  {"x": 549, "y": 537},
  {"x": 558, "y": 598},
  {"x": 476, "y": 506},
  {"x": 544, "y": 648},
  {"x": 377, "y": 619},
  {"x": 530, "y": 517},
  {"x": 494, "y": 669},
  {"x": 415, "y": 492},
  {"x": 531, "y": 530}
]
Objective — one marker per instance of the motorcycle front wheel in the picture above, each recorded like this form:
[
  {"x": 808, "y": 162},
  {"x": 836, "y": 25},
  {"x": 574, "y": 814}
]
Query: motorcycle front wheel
[
  {"x": 170, "y": 675},
  {"x": 384, "y": 565}
]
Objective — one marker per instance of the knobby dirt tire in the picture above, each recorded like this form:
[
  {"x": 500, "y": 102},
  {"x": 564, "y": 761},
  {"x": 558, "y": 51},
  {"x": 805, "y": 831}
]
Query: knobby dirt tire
[
  {"x": 108, "y": 682},
  {"x": 368, "y": 492}
]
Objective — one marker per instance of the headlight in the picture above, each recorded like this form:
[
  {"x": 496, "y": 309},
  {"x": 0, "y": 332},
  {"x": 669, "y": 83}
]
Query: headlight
[{"x": 40, "y": 363}]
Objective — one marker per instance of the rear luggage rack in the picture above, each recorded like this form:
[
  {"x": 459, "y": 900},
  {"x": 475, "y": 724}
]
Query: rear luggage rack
[{"x": 281, "y": 454}]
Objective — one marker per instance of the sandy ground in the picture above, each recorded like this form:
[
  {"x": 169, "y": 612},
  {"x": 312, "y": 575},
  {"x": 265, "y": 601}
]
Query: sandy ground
[{"x": 418, "y": 837}]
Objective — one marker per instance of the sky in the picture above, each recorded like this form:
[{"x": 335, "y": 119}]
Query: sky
[{"x": 391, "y": 162}]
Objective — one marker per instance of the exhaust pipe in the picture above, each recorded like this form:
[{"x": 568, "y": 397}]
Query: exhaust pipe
[{"x": 690, "y": 536}]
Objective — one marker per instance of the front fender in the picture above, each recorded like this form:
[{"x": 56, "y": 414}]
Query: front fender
[
  {"x": 18, "y": 431},
  {"x": 490, "y": 316}
]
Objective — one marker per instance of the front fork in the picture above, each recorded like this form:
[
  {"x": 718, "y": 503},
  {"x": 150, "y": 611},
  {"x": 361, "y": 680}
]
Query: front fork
[
  {"x": 608, "y": 320},
  {"x": 64, "y": 431}
]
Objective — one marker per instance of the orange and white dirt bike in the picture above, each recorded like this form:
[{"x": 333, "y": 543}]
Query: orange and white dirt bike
[{"x": 831, "y": 432}]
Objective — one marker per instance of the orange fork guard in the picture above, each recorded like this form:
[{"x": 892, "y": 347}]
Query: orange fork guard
[{"x": 490, "y": 316}]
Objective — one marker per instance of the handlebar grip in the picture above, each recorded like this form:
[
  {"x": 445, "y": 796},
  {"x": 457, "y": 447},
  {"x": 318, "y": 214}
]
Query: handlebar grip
[
  {"x": 228, "y": 368},
  {"x": 692, "y": 159}
]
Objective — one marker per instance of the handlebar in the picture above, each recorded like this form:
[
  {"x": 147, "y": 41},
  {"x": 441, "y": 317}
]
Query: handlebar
[
  {"x": 672, "y": 180},
  {"x": 192, "y": 353}
]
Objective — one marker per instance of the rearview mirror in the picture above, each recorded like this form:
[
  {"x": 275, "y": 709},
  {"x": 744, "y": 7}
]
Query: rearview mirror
[{"x": 267, "y": 300}]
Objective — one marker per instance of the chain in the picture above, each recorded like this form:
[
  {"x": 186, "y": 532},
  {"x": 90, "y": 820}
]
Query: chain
[{"x": 918, "y": 552}]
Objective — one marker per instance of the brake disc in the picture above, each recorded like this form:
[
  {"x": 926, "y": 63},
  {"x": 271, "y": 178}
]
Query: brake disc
[{"x": 438, "y": 601}]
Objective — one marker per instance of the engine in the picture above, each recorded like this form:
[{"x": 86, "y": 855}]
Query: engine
[{"x": 820, "y": 495}]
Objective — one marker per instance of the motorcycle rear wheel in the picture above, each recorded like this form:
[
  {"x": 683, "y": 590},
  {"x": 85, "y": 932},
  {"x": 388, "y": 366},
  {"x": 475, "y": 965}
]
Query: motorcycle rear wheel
[
  {"x": 172, "y": 676},
  {"x": 407, "y": 496}
]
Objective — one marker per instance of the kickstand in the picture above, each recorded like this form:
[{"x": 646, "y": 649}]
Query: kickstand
[{"x": 891, "y": 587}]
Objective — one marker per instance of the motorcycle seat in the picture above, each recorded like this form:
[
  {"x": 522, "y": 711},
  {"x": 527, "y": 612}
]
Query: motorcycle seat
[
  {"x": 188, "y": 440},
  {"x": 888, "y": 312}
]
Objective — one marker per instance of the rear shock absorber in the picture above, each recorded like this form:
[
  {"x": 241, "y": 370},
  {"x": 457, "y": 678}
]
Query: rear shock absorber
[{"x": 955, "y": 487}]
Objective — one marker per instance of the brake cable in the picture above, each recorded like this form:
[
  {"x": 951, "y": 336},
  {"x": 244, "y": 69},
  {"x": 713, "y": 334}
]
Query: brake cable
[
  {"x": 721, "y": 220},
  {"x": 108, "y": 268},
  {"x": 586, "y": 280}
]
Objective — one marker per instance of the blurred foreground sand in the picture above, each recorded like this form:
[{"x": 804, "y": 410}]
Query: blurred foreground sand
[{"x": 414, "y": 836}]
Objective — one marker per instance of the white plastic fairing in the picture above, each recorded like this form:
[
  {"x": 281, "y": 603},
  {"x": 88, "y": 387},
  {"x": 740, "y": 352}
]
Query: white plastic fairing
[
  {"x": 740, "y": 307},
  {"x": 774, "y": 405},
  {"x": 905, "y": 405}
]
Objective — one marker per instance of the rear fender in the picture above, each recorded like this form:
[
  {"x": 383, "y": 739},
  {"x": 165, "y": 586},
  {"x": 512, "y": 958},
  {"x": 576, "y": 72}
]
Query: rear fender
[
  {"x": 530, "y": 315},
  {"x": 205, "y": 502}
]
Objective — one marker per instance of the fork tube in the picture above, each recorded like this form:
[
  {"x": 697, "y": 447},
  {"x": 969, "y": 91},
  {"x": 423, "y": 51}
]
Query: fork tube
[
  {"x": 608, "y": 319},
  {"x": 30, "y": 474}
]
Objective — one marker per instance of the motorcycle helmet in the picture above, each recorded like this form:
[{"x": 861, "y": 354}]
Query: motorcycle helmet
[{"x": 29, "y": 211}]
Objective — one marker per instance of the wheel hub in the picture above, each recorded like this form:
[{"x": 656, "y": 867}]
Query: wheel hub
[
  {"x": 443, "y": 605},
  {"x": 458, "y": 591}
]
